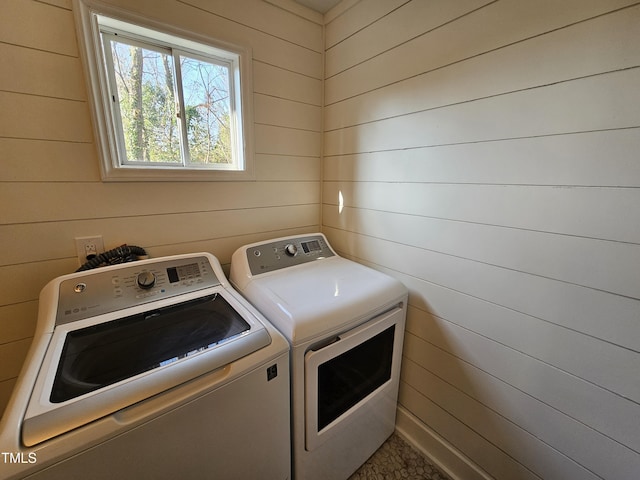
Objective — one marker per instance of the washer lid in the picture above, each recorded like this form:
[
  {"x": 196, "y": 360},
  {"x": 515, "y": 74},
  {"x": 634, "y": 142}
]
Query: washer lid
[
  {"x": 100, "y": 355},
  {"x": 94, "y": 367},
  {"x": 318, "y": 297}
]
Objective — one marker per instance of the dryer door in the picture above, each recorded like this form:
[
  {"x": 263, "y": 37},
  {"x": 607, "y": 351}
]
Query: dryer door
[{"x": 343, "y": 376}]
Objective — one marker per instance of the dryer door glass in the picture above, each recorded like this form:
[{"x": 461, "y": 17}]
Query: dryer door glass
[{"x": 104, "y": 354}]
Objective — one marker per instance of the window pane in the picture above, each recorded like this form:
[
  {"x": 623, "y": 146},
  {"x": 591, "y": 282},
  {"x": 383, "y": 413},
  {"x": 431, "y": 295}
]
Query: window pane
[
  {"x": 145, "y": 83},
  {"x": 208, "y": 111}
]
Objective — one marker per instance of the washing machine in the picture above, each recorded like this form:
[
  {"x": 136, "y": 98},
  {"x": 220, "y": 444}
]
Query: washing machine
[
  {"x": 156, "y": 369},
  {"x": 345, "y": 323}
]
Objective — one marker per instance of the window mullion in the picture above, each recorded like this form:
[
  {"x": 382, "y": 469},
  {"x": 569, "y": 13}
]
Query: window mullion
[{"x": 181, "y": 111}]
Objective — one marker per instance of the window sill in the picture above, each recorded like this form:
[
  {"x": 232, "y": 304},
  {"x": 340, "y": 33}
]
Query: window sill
[{"x": 156, "y": 174}]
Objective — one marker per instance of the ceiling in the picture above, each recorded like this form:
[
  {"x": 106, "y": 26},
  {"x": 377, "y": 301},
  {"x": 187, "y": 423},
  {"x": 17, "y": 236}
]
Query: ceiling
[{"x": 322, "y": 6}]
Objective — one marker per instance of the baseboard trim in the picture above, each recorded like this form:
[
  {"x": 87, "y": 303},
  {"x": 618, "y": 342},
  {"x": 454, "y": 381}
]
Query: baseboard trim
[{"x": 441, "y": 453}]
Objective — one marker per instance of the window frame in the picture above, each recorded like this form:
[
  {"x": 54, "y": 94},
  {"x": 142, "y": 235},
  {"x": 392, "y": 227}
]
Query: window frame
[{"x": 91, "y": 17}]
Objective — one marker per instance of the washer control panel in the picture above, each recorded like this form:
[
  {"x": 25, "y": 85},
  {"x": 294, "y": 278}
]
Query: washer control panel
[
  {"x": 287, "y": 252},
  {"x": 106, "y": 290}
]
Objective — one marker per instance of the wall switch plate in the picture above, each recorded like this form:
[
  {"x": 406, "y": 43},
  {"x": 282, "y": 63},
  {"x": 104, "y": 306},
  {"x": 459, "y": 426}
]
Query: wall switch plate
[{"x": 88, "y": 247}]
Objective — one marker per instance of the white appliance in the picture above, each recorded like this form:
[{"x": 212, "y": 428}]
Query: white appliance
[
  {"x": 153, "y": 369},
  {"x": 345, "y": 323}
]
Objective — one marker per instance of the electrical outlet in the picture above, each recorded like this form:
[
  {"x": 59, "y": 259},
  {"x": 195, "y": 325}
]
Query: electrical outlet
[{"x": 88, "y": 247}]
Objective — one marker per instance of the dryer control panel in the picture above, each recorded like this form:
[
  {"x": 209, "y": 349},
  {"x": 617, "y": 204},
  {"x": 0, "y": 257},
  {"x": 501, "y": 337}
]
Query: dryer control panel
[
  {"x": 110, "y": 289},
  {"x": 286, "y": 252}
]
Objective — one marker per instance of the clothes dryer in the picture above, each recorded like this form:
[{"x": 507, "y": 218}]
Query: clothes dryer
[{"x": 345, "y": 322}]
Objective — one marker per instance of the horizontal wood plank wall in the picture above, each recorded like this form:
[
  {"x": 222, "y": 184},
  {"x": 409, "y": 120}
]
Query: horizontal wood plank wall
[
  {"x": 50, "y": 188},
  {"x": 486, "y": 154}
]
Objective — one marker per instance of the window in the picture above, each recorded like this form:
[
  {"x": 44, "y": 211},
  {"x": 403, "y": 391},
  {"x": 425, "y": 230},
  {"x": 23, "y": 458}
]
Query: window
[{"x": 167, "y": 104}]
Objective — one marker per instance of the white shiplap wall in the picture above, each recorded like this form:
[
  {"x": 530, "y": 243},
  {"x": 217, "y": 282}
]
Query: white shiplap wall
[
  {"x": 50, "y": 188},
  {"x": 486, "y": 154}
]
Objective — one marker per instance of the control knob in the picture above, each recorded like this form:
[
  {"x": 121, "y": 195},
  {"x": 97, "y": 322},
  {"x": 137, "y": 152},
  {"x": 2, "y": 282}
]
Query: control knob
[
  {"x": 146, "y": 280},
  {"x": 291, "y": 250}
]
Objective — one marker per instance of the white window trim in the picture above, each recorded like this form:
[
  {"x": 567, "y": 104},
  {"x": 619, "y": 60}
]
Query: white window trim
[{"x": 86, "y": 14}]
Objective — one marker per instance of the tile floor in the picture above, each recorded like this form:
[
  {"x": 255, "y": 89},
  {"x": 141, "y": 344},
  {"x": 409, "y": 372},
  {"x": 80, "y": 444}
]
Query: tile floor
[{"x": 396, "y": 459}]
